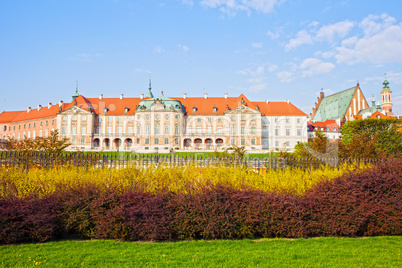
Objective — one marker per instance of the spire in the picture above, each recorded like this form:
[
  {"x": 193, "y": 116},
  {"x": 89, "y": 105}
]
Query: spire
[
  {"x": 149, "y": 94},
  {"x": 76, "y": 91},
  {"x": 385, "y": 83}
]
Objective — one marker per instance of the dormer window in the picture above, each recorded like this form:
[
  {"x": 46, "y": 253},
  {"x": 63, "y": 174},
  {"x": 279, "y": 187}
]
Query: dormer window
[
  {"x": 214, "y": 109},
  {"x": 194, "y": 109},
  {"x": 126, "y": 109},
  {"x": 105, "y": 110}
]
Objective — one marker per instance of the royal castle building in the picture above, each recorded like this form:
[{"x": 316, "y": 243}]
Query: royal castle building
[{"x": 162, "y": 124}]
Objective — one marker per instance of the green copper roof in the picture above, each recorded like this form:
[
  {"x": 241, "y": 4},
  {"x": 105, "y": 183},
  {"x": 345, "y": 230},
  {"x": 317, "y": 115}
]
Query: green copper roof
[
  {"x": 334, "y": 106},
  {"x": 168, "y": 103}
]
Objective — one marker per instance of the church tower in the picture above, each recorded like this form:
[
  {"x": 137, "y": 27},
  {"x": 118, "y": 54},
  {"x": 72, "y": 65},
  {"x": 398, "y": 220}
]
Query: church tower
[{"x": 386, "y": 98}]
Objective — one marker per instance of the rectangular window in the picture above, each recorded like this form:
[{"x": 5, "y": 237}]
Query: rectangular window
[
  {"x": 73, "y": 130},
  {"x": 64, "y": 117},
  {"x": 219, "y": 119},
  {"x": 219, "y": 130},
  {"x": 98, "y": 130},
  {"x": 298, "y": 120},
  {"x": 130, "y": 130},
  {"x": 29, "y": 125},
  {"x": 109, "y": 130},
  {"x": 243, "y": 118},
  {"x": 73, "y": 141},
  {"x": 53, "y": 122},
  {"x": 298, "y": 132},
  {"x": 138, "y": 129},
  {"x": 287, "y": 132},
  {"x": 252, "y": 130},
  {"x": 253, "y": 117},
  {"x": 242, "y": 130},
  {"x": 232, "y": 118},
  {"x": 232, "y": 130},
  {"x": 147, "y": 129},
  {"x": 119, "y": 130},
  {"x": 130, "y": 119},
  {"x": 287, "y": 120},
  {"x": 109, "y": 119},
  {"x": 40, "y": 133},
  {"x": 47, "y": 123},
  {"x": 99, "y": 119},
  {"x": 176, "y": 129},
  {"x": 156, "y": 141},
  {"x": 199, "y": 130},
  {"x": 24, "y": 126},
  {"x": 277, "y": 143},
  {"x": 209, "y": 119},
  {"x": 276, "y": 119},
  {"x": 232, "y": 141},
  {"x": 243, "y": 142},
  {"x": 120, "y": 119},
  {"x": 83, "y": 130},
  {"x": 146, "y": 141},
  {"x": 166, "y": 141},
  {"x": 252, "y": 141},
  {"x": 276, "y": 132},
  {"x": 287, "y": 144},
  {"x": 63, "y": 130},
  {"x": 74, "y": 118},
  {"x": 83, "y": 118},
  {"x": 188, "y": 130},
  {"x": 199, "y": 119},
  {"x": 209, "y": 130},
  {"x": 82, "y": 141}
]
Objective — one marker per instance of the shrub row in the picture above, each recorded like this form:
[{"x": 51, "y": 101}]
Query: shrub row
[{"x": 357, "y": 204}]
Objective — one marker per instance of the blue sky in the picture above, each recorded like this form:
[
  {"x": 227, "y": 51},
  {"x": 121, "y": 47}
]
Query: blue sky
[{"x": 273, "y": 49}]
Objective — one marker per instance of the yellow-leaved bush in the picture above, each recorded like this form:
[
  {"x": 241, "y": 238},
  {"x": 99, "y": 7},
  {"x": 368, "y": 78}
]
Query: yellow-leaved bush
[{"x": 153, "y": 179}]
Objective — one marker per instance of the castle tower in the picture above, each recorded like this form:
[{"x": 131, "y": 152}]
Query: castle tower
[
  {"x": 386, "y": 98},
  {"x": 149, "y": 94}
]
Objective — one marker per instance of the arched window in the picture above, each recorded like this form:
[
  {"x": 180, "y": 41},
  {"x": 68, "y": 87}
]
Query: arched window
[
  {"x": 166, "y": 129},
  {"x": 156, "y": 140},
  {"x": 176, "y": 129}
]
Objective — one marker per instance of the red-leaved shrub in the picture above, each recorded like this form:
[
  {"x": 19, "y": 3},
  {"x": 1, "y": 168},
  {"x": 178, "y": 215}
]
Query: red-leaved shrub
[
  {"x": 28, "y": 220},
  {"x": 358, "y": 204}
]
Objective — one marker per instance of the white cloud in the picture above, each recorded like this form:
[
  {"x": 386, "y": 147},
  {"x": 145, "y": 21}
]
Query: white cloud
[
  {"x": 285, "y": 76},
  {"x": 273, "y": 35},
  {"x": 232, "y": 6},
  {"x": 325, "y": 54},
  {"x": 183, "y": 47},
  {"x": 257, "y": 45},
  {"x": 381, "y": 43},
  {"x": 257, "y": 78},
  {"x": 373, "y": 24},
  {"x": 312, "y": 66},
  {"x": 188, "y": 2},
  {"x": 302, "y": 37},
  {"x": 339, "y": 29},
  {"x": 159, "y": 49}
]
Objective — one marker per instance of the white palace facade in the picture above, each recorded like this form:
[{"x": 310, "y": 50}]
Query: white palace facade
[{"x": 162, "y": 124}]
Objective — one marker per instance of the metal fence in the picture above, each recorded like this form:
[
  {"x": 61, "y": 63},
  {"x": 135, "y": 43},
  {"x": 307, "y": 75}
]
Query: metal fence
[{"x": 29, "y": 160}]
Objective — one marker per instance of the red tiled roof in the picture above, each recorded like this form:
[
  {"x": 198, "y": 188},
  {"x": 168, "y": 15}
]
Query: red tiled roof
[
  {"x": 116, "y": 106},
  {"x": 328, "y": 125},
  {"x": 205, "y": 106},
  {"x": 6, "y": 117},
  {"x": 279, "y": 108},
  {"x": 36, "y": 114}
]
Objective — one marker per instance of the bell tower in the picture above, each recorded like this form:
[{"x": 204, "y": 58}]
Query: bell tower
[{"x": 386, "y": 97}]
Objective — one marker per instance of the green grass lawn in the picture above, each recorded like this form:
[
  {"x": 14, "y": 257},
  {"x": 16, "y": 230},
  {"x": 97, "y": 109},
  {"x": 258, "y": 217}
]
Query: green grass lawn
[{"x": 313, "y": 252}]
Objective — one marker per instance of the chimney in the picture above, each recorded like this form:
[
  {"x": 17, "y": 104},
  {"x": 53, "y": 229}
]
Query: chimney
[
  {"x": 49, "y": 105},
  {"x": 205, "y": 96},
  {"x": 226, "y": 95},
  {"x": 121, "y": 96},
  {"x": 39, "y": 107},
  {"x": 185, "y": 96},
  {"x": 100, "y": 96},
  {"x": 322, "y": 94},
  {"x": 60, "y": 103},
  {"x": 287, "y": 101},
  {"x": 267, "y": 101},
  {"x": 141, "y": 96},
  {"x": 28, "y": 109}
]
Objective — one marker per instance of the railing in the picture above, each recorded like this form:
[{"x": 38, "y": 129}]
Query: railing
[{"x": 30, "y": 160}]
